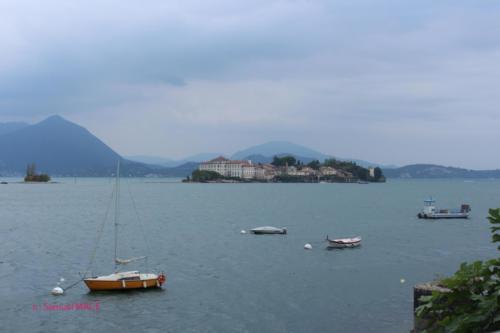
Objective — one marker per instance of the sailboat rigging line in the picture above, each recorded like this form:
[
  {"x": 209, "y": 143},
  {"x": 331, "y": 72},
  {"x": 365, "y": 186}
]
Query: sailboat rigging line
[
  {"x": 141, "y": 226},
  {"x": 117, "y": 198},
  {"x": 73, "y": 284},
  {"x": 99, "y": 234}
]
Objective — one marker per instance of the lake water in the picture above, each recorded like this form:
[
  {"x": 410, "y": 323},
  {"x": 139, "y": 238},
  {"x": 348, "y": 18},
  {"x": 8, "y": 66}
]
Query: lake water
[{"x": 219, "y": 280}]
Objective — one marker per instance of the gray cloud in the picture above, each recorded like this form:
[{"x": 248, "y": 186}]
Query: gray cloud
[{"x": 307, "y": 71}]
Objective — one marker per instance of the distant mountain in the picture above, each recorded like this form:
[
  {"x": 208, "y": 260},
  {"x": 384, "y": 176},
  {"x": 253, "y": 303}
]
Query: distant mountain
[
  {"x": 272, "y": 148},
  {"x": 263, "y": 154},
  {"x": 269, "y": 159},
  {"x": 258, "y": 154},
  {"x": 182, "y": 170},
  {"x": 155, "y": 160},
  {"x": 367, "y": 164},
  {"x": 11, "y": 127},
  {"x": 258, "y": 158},
  {"x": 167, "y": 162},
  {"x": 201, "y": 157},
  {"x": 430, "y": 171},
  {"x": 62, "y": 148}
]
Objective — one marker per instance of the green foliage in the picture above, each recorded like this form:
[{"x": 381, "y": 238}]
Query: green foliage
[
  {"x": 205, "y": 176},
  {"x": 31, "y": 175},
  {"x": 285, "y": 160},
  {"x": 495, "y": 221},
  {"x": 314, "y": 164},
  {"x": 42, "y": 178},
  {"x": 31, "y": 170},
  {"x": 357, "y": 171},
  {"x": 294, "y": 179},
  {"x": 472, "y": 305}
]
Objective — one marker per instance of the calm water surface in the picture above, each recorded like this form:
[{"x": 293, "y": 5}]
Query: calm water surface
[{"x": 222, "y": 281}]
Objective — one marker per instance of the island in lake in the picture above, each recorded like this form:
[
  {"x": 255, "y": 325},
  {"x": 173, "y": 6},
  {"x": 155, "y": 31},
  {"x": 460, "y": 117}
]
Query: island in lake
[
  {"x": 32, "y": 176},
  {"x": 284, "y": 169}
]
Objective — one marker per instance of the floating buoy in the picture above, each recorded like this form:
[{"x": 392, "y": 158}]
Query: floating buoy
[
  {"x": 308, "y": 246},
  {"x": 243, "y": 232},
  {"x": 402, "y": 280},
  {"x": 57, "y": 291}
]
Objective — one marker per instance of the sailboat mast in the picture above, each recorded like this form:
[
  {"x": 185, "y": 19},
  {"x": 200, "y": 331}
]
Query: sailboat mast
[{"x": 117, "y": 194}]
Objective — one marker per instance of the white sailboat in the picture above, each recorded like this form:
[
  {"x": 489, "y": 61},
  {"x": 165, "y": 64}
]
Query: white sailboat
[{"x": 123, "y": 280}]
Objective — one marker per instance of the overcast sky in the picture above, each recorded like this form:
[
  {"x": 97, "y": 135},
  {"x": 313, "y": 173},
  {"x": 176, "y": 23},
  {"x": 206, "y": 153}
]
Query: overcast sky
[{"x": 393, "y": 82}]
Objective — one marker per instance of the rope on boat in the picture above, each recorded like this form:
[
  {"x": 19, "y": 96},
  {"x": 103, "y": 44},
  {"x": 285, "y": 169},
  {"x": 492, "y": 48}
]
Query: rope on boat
[
  {"x": 101, "y": 231},
  {"x": 141, "y": 226},
  {"x": 92, "y": 256},
  {"x": 99, "y": 235},
  {"x": 73, "y": 284}
]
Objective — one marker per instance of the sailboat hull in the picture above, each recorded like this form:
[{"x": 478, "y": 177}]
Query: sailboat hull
[
  {"x": 125, "y": 280},
  {"x": 120, "y": 285}
]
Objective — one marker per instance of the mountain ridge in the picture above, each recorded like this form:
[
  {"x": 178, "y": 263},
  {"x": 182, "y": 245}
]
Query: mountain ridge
[
  {"x": 272, "y": 148},
  {"x": 434, "y": 171},
  {"x": 63, "y": 148},
  {"x": 9, "y": 127},
  {"x": 262, "y": 153},
  {"x": 56, "y": 146}
]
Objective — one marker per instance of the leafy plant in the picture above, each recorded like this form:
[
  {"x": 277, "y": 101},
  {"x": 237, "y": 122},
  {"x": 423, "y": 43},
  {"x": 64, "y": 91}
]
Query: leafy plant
[
  {"x": 205, "y": 175},
  {"x": 472, "y": 303},
  {"x": 285, "y": 160},
  {"x": 32, "y": 176}
]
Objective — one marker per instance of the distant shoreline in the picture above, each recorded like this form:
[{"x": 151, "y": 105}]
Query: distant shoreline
[
  {"x": 305, "y": 181},
  {"x": 28, "y": 183}
]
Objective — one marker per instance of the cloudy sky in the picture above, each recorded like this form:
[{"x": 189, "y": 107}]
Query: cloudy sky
[{"x": 394, "y": 82}]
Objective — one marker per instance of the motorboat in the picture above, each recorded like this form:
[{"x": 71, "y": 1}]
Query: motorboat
[
  {"x": 430, "y": 211},
  {"x": 341, "y": 243},
  {"x": 268, "y": 231}
]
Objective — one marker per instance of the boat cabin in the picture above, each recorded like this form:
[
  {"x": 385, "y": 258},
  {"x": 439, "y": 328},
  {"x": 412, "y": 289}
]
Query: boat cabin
[{"x": 429, "y": 206}]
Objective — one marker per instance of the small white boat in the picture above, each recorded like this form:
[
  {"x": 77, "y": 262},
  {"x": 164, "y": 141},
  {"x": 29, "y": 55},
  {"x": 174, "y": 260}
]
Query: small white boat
[
  {"x": 268, "y": 231},
  {"x": 341, "y": 243}
]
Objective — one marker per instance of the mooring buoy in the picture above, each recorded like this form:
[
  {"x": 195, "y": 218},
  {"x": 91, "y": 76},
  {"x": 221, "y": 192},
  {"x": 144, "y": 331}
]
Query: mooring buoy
[{"x": 57, "y": 291}]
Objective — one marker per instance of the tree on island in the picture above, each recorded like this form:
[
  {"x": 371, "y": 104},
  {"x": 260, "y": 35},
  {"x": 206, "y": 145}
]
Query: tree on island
[
  {"x": 314, "y": 164},
  {"x": 205, "y": 176},
  {"x": 31, "y": 175},
  {"x": 284, "y": 161},
  {"x": 357, "y": 171}
]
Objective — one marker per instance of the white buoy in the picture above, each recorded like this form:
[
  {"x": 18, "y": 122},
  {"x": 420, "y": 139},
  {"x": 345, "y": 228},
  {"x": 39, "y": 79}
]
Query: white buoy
[
  {"x": 57, "y": 291},
  {"x": 243, "y": 232},
  {"x": 402, "y": 280},
  {"x": 308, "y": 246},
  {"x": 61, "y": 279}
]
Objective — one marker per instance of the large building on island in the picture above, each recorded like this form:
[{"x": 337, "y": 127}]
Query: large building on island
[
  {"x": 247, "y": 170},
  {"x": 225, "y": 167},
  {"x": 244, "y": 169}
]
